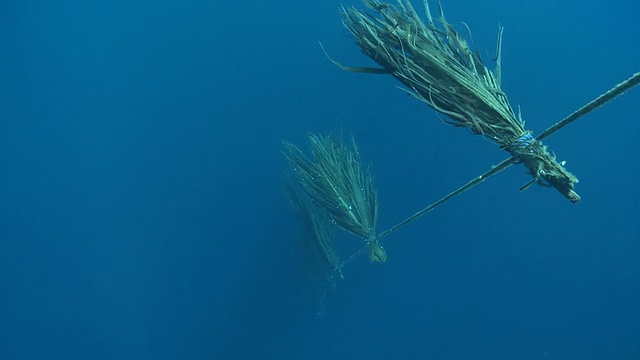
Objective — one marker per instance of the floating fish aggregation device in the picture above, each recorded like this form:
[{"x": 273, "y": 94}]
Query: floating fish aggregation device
[{"x": 436, "y": 66}]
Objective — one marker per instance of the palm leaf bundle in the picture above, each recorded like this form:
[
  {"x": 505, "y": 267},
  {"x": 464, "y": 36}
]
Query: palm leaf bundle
[
  {"x": 437, "y": 66},
  {"x": 335, "y": 180}
]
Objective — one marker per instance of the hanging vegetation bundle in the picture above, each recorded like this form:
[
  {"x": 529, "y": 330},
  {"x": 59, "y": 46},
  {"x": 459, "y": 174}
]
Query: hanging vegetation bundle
[
  {"x": 335, "y": 180},
  {"x": 437, "y": 66}
]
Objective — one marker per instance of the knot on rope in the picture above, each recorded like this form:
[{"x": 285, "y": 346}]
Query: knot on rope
[{"x": 521, "y": 144}]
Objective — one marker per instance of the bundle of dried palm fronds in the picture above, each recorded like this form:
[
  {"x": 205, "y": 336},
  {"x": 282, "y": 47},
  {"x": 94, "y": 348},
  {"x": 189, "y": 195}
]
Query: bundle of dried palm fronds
[
  {"x": 334, "y": 180},
  {"x": 438, "y": 67}
]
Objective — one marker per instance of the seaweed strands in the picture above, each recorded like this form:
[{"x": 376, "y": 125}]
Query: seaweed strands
[
  {"x": 335, "y": 180},
  {"x": 437, "y": 66}
]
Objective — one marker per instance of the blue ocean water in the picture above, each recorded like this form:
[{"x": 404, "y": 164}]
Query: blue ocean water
[{"x": 143, "y": 212}]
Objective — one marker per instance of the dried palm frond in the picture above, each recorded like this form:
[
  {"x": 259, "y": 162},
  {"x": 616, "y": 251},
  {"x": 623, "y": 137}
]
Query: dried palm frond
[
  {"x": 336, "y": 181},
  {"x": 437, "y": 66}
]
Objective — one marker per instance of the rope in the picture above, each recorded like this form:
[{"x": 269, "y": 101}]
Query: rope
[
  {"x": 522, "y": 143},
  {"x": 593, "y": 104}
]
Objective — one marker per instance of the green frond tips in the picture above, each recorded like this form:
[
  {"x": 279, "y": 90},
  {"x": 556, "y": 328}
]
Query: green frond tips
[
  {"x": 335, "y": 180},
  {"x": 438, "y": 67}
]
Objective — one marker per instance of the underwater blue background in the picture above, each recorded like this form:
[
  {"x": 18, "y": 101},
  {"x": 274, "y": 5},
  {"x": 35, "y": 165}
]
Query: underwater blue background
[{"x": 142, "y": 204}]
